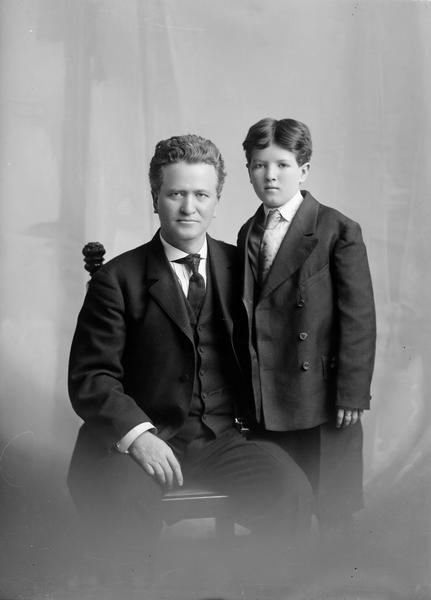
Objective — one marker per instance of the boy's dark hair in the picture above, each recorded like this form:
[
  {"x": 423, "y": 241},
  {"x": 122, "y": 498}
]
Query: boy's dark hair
[
  {"x": 289, "y": 134},
  {"x": 189, "y": 149}
]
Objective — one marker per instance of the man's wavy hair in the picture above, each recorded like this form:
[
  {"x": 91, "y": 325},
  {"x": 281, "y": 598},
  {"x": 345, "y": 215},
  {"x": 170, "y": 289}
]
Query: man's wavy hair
[
  {"x": 189, "y": 149},
  {"x": 289, "y": 134}
]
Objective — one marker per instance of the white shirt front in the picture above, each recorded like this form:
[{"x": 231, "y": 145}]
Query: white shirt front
[
  {"x": 181, "y": 270},
  {"x": 287, "y": 211},
  {"x": 290, "y": 208}
]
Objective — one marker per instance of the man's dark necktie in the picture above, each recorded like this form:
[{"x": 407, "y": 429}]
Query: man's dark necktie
[{"x": 196, "y": 293}]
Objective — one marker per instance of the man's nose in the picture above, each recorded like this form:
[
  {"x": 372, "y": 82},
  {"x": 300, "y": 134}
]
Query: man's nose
[{"x": 188, "y": 204}]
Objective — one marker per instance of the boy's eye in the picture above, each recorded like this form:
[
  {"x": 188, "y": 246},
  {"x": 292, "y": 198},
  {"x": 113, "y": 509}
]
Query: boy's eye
[{"x": 283, "y": 165}]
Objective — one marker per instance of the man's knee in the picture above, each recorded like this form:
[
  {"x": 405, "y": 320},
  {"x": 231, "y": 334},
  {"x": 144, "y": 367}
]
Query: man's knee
[{"x": 117, "y": 502}]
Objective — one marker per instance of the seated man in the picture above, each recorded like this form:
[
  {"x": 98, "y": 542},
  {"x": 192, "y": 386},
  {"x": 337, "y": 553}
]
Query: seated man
[{"x": 154, "y": 375}]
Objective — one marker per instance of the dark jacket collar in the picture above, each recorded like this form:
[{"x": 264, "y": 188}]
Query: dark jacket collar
[{"x": 295, "y": 247}]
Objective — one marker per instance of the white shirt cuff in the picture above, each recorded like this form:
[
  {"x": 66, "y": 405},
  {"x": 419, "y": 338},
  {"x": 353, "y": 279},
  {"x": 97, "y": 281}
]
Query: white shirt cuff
[{"x": 124, "y": 444}]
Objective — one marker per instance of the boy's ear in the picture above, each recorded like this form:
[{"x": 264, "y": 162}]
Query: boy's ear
[
  {"x": 305, "y": 169},
  {"x": 247, "y": 166}
]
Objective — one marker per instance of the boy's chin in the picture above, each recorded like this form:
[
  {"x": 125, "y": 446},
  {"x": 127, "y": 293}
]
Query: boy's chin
[{"x": 274, "y": 202}]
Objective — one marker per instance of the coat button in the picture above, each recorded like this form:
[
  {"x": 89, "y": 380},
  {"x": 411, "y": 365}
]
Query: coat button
[
  {"x": 300, "y": 303},
  {"x": 303, "y": 335},
  {"x": 184, "y": 378},
  {"x": 305, "y": 365}
]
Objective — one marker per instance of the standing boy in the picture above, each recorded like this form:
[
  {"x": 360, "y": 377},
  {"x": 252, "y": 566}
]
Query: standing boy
[{"x": 310, "y": 320}]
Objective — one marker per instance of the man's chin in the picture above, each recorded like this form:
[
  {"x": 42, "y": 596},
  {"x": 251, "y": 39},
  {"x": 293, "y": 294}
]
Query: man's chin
[{"x": 184, "y": 237}]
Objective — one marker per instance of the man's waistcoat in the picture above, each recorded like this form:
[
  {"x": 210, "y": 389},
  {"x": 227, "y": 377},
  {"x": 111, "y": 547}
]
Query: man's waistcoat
[{"x": 215, "y": 384}]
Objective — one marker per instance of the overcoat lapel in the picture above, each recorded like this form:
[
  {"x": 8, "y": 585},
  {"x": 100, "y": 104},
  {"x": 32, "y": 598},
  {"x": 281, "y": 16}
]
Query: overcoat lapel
[
  {"x": 248, "y": 278},
  {"x": 296, "y": 246},
  {"x": 164, "y": 288}
]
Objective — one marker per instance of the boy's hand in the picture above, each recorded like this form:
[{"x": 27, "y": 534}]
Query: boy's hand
[{"x": 347, "y": 416}]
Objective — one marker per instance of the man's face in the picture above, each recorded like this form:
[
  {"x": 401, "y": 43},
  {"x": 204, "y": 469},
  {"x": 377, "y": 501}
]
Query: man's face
[
  {"x": 276, "y": 175},
  {"x": 186, "y": 203}
]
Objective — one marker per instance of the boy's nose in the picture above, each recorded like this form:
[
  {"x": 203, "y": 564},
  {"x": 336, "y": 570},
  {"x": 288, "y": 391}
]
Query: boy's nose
[{"x": 270, "y": 174}]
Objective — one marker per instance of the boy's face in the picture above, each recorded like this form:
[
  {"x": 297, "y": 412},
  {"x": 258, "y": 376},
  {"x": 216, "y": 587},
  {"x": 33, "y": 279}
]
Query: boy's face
[
  {"x": 276, "y": 175},
  {"x": 186, "y": 203}
]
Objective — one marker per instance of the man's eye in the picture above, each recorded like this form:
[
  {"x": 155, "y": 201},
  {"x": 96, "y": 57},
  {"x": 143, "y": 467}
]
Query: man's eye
[
  {"x": 202, "y": 195},
  {"x": 175, "y": 195}
]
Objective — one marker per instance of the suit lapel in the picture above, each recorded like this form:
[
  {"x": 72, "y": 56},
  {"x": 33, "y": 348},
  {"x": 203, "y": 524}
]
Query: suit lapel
[
  {"x": 220, "y": 269},
  {"x": 296, "y": 246},
  {"x": 165, "y": 289}
]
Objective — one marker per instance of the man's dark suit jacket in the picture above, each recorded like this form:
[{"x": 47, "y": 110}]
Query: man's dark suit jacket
[
  {"x": 133, "y": 355},
  {"x": 314, "y": 320}
]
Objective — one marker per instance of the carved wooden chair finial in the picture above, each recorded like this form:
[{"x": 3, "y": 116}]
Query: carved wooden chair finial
[{"x": 93, "y": 256}]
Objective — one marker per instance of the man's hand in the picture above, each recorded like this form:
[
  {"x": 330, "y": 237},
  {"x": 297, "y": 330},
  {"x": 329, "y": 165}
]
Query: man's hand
[
  {"x": 157, "y": 459},
  {"x": 347, "y": 416}
]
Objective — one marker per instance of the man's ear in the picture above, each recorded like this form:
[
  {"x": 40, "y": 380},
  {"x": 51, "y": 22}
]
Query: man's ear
[
  {"x": 305, "y": 169},
  {"x": 156, "y": 210}
]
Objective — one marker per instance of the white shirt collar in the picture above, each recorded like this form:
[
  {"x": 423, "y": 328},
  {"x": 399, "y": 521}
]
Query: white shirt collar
[
  {"x": 173, "y": 253},
  {"x": 289, "y": 209}
]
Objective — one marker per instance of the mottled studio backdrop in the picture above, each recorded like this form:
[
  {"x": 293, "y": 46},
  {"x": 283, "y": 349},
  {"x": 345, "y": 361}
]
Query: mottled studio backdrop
[{"x": 87, "y": 87}]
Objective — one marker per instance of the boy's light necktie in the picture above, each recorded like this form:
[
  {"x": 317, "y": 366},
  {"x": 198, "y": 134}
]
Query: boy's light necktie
[{"x": 269, "y": 244}]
